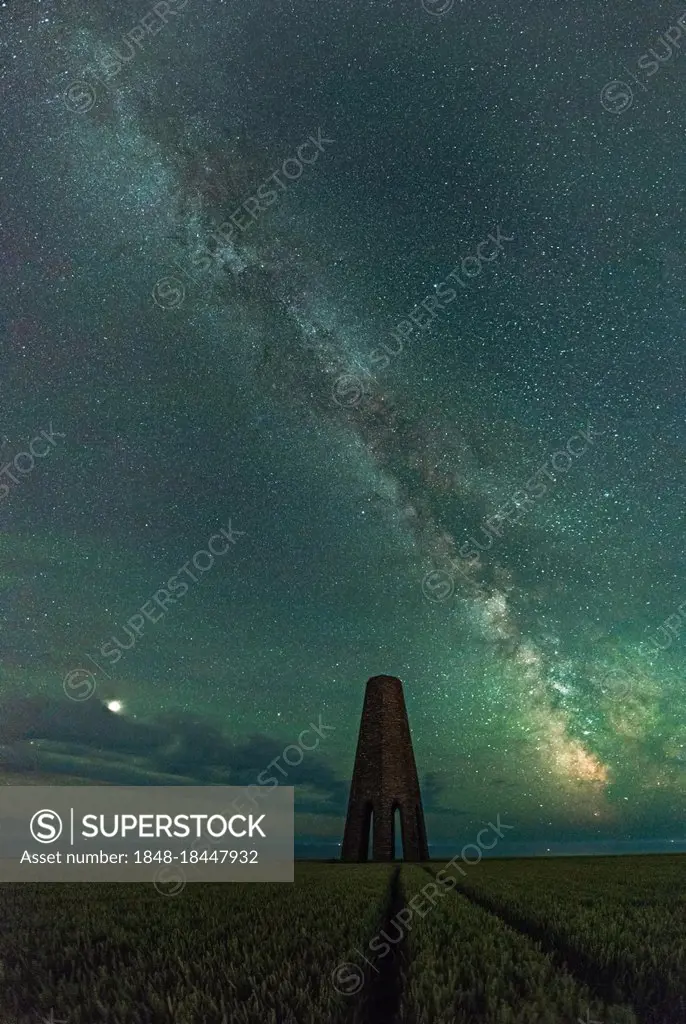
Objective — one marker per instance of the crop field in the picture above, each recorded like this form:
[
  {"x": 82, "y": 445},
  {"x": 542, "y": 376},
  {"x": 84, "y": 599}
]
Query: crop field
[{"x": 502, "y": 942}]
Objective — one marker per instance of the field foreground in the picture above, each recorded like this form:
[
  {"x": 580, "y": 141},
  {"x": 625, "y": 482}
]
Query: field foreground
[{"x": 513, "y": 942}]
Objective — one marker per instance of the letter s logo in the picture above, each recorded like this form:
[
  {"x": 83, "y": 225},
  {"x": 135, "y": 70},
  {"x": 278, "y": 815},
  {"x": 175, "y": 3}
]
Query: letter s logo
[{"x": 46, "y": 826}]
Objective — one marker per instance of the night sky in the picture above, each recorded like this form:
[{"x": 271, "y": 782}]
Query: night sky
[{"x": 173, "y": 387}]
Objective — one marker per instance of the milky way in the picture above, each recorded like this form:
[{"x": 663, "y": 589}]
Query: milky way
[{"x": 212, "y": 235}]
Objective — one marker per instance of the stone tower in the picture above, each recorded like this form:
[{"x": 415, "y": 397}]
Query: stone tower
[{"x": 384, "y": 778}]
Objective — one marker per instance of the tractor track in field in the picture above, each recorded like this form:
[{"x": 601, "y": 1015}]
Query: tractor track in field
[
  {"x": 381, "y": 994},
  {"x": 600, "y": 981}
]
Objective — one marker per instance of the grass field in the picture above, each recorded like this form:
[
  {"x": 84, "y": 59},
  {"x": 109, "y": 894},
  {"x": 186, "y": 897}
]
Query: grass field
[{"x": 501, "y": 942}]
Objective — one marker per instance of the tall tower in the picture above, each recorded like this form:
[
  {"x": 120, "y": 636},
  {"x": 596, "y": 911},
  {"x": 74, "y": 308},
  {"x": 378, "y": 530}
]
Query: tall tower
[{"x": 384, "y": 779}]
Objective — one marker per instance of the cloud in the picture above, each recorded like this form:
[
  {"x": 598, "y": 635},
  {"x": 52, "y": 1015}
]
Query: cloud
[{"x": 41, "y": 735}]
